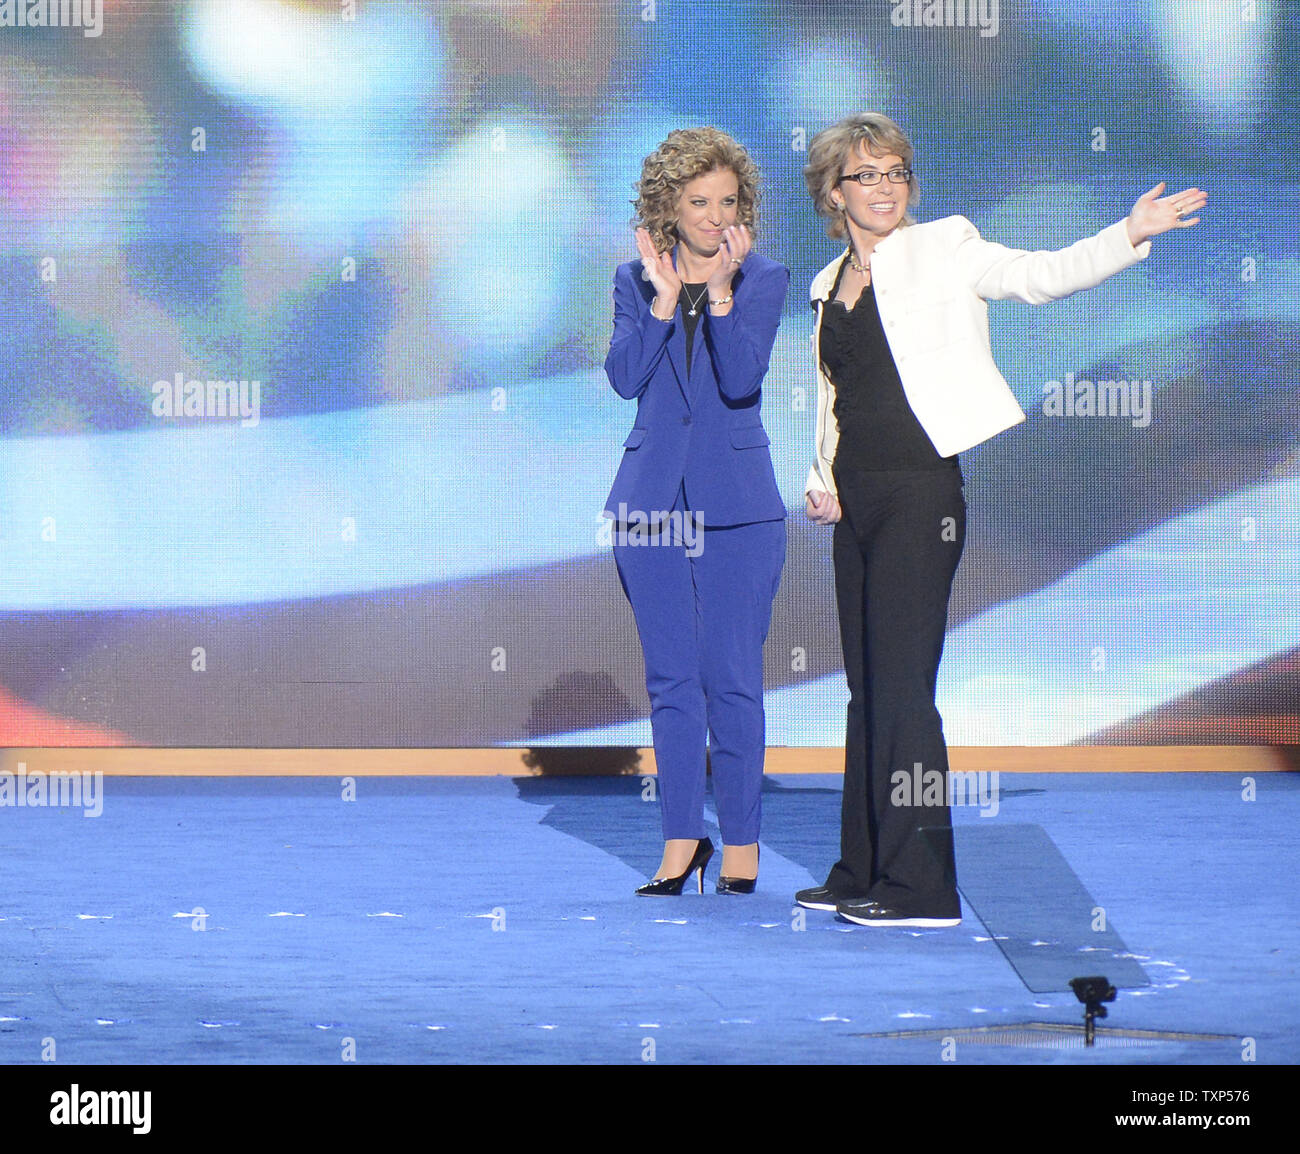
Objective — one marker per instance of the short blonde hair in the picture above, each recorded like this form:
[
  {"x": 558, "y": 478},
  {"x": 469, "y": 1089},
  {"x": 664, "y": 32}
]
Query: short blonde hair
[
  {"x": 831, "y": 149},
  {"x": 686, "y": 154}
]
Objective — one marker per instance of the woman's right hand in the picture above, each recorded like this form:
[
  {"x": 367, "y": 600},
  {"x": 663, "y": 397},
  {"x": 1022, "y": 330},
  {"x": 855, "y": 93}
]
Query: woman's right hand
[
  {"x": 659, "y": 271},
  {"x": 823, "y": 508}
]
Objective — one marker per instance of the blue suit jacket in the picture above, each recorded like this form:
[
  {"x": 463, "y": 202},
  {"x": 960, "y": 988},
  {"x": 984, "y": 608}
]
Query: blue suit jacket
[{"x": 705, "y": 429}]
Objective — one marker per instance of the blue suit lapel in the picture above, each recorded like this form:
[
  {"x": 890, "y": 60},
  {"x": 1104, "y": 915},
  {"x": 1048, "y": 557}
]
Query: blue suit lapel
[
  {"x": 677, "y": 354},
  {"x": 677, "y": 349},
  {"x": 676, "y": 339}
]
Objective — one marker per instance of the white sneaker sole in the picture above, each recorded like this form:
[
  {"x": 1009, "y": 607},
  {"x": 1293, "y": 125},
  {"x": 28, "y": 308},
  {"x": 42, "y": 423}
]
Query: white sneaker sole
[{"x": 923, "y": 923}]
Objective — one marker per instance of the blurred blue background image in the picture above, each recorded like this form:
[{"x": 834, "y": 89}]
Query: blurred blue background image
[{"x": 386, "y": 233}]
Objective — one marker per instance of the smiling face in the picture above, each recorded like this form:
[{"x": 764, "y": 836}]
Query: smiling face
[
  {"x": 707, "y": 206},
  {"x": 876, "y": 210}
]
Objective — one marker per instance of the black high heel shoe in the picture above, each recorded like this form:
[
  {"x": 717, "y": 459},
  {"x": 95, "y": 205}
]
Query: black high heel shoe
[
  {"x": 738, "y": 885},
  {"x": 671, "y": 887}
]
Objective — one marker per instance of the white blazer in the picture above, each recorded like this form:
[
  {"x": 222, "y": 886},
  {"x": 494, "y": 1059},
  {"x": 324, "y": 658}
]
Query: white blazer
[{"x": 932, "y": 282}]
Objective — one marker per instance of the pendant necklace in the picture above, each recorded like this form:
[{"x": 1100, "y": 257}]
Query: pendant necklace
[{"x": 695, "y": 304}]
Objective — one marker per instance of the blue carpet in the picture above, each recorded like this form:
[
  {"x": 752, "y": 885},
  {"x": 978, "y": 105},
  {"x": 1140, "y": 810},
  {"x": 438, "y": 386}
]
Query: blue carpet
[{"x": 493, "y": 920}]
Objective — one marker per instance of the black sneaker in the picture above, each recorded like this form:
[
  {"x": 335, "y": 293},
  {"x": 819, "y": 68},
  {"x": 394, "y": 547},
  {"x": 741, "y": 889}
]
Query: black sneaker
[
  {"x": 818, "y": 898},
  {"x": 870, "y": 912}
]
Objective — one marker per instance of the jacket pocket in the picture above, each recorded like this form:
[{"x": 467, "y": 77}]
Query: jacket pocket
[
  {"x": 634, "y": 438},
  {"x": 749, "y": 437}
]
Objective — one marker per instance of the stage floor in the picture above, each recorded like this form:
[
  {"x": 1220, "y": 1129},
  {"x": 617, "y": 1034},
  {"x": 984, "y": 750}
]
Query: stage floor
[{"x": 483, "y": 919}]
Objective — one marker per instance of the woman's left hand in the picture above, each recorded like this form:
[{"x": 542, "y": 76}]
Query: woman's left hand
[
  {"x": 1154, "y": 214},
  {"x": 736, "y": 244}
]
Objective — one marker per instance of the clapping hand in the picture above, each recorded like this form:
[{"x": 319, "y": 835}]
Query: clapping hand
[
  {"x": 657, "y": 268},
  {"x": 736, "y": 244},
  {"x": 1154, "y": 214}
]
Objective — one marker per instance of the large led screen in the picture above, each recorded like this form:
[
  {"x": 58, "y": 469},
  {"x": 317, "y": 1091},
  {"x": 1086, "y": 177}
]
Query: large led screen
[{"x": 386, "y": 232}]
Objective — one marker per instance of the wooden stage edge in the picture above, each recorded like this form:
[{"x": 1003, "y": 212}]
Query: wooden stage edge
[{"x": 603, "y": 761}]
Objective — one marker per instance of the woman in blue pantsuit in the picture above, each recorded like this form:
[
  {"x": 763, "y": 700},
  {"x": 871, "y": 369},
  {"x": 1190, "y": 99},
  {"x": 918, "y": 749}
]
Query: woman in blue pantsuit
[{"x": 699, "y": 526}]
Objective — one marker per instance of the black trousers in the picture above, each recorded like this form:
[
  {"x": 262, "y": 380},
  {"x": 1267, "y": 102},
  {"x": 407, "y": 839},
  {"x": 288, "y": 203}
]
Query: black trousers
[{"x": 896, "y": 549}]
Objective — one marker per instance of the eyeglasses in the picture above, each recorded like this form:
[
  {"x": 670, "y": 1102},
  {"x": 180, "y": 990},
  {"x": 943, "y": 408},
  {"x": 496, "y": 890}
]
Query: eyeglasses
[{"x": 870, "y": 176}]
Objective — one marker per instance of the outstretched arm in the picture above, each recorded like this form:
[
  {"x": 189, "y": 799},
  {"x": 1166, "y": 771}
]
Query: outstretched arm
[{"x": 997, "y": 272}]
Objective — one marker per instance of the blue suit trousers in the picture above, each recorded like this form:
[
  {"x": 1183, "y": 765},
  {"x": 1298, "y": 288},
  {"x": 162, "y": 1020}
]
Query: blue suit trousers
[{"x": 702, "y": 621}]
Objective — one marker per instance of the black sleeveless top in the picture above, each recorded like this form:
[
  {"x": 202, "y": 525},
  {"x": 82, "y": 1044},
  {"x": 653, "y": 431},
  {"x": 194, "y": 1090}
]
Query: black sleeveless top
[{"x": 878, "y": 429}]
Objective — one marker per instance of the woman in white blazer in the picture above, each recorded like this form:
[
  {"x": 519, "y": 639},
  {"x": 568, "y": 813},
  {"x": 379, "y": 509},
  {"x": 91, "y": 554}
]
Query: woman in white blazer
[{"x": 906, "y": 381}]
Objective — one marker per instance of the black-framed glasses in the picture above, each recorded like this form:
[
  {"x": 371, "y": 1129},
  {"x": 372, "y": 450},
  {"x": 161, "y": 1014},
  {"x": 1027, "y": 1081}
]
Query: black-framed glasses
[{"x": 870, "y": 176}]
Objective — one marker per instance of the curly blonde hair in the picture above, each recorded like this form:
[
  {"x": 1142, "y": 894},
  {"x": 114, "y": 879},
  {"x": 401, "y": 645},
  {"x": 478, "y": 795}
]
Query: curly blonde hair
[
  {"x": 831, "y": 149},
  {"x": 686, "y": 154}
]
